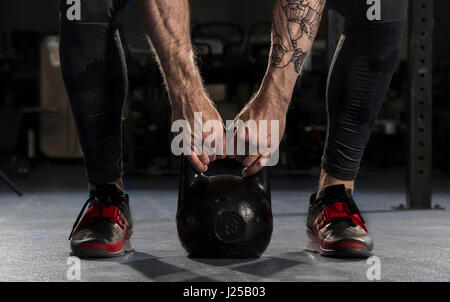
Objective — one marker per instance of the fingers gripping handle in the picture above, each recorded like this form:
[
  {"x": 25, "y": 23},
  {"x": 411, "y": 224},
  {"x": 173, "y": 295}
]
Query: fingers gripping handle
[{"x": 189, "y": 176}]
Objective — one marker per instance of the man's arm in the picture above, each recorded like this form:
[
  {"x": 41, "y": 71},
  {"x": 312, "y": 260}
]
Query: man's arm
[
  {"x": 294, "y": 27},
  {"x": 167, "y": 24}
]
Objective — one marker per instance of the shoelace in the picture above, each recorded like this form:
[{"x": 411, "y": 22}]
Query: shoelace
[
  {"x": 93, "y": 199},
  {"x": 352, "y": 209}
]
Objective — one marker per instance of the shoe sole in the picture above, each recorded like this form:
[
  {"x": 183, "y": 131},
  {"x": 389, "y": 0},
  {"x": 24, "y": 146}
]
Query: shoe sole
[
  {"x": 88, "y": 252},
  {"x": 345, "y": 251}
]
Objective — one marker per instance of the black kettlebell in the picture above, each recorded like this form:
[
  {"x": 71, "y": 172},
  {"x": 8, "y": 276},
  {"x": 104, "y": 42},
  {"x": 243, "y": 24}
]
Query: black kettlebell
[{"x": 224, "y": 216}]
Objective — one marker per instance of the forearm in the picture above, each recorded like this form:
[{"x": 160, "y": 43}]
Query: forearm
[
  {"x": 167, "y": 24},
  {"x": 294, "y": 27}
]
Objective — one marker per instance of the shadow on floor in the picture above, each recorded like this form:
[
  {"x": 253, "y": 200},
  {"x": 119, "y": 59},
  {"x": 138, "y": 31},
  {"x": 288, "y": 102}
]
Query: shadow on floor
[{"x": 153, "y": 268}]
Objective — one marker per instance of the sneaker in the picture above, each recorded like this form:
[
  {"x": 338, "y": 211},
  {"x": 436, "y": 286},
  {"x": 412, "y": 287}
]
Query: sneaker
[
  {"x": 335, "y": 227},
  {"x": 106, "y": 227}
]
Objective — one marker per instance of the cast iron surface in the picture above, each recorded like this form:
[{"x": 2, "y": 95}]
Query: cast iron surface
[{"x": 224, "y": 216}]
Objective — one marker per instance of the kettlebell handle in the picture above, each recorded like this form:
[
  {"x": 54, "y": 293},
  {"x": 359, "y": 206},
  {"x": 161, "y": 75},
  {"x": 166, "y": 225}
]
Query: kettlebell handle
[{"x": 189, "y": 176}]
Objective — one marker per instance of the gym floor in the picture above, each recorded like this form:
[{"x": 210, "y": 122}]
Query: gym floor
[{"x": 411, "y": 245}]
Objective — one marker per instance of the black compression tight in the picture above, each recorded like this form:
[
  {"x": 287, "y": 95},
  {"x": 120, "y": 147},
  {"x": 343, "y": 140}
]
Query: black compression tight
[
  {"x": 94, "y": 72},
  {"x": 358, "y": 80}
]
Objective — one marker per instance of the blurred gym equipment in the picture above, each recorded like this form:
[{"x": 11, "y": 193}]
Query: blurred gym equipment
[
  {"x": 10, "y": 119},
  {"x": 58, "y": 136},
  {"x": 419, "y": 106}
]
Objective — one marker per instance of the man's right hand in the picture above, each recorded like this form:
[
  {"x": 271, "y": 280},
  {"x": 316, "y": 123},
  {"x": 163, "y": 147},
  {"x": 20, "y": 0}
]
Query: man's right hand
[
  {"x": 183, "y": 108},
  {"x": 167, "y": 24}
]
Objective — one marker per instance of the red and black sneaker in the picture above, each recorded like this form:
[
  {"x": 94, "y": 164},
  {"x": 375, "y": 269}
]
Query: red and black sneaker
[
  {"x": 106, "y": 227},
  {"x": 335, "y": 226}
]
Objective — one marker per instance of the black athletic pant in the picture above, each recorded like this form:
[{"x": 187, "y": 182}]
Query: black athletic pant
[
  {"x": 95, "y": 75},
  {"x": 94, "y": 72},
  {"x": 359, "y": 79}
]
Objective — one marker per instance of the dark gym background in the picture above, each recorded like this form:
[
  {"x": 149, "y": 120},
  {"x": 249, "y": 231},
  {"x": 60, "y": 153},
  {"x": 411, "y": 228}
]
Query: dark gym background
[
  {"x": 231, "y": 76},
  {"x": 39, "y": 152}
]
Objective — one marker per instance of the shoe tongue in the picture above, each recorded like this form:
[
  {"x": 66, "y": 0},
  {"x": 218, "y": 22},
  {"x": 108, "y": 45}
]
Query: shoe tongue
[{"x": 336, "y": 191}]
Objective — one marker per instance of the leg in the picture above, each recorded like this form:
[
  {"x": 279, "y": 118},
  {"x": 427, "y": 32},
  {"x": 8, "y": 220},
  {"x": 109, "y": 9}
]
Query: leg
[
  {"x": 94, "y": 71},
  {"x": 358, "y": 81},
  {"x": 357, "y": 84}
]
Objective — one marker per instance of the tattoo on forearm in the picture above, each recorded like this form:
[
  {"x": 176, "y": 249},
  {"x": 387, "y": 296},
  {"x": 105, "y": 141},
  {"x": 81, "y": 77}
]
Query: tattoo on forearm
[{"x": 294, "y": 21}]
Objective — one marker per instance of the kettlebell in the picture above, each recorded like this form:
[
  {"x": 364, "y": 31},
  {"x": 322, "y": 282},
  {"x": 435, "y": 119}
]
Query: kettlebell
[{"x": 223, "y": 216}]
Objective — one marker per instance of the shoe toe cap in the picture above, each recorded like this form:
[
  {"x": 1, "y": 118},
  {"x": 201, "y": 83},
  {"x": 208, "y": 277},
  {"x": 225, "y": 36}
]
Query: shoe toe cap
[{"x": 343, "y": 233}]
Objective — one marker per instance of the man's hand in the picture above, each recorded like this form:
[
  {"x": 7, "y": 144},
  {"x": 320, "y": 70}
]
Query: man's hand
[
  {"x": 294, "y": 26},
  {"x": 268, "y": 105},
  {"x": 167, "y": 24},
  {"x": 183, "y": 108}
]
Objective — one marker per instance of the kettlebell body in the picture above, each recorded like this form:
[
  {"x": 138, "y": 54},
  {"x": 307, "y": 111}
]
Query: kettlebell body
[{"x": 223, "y": 216}]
